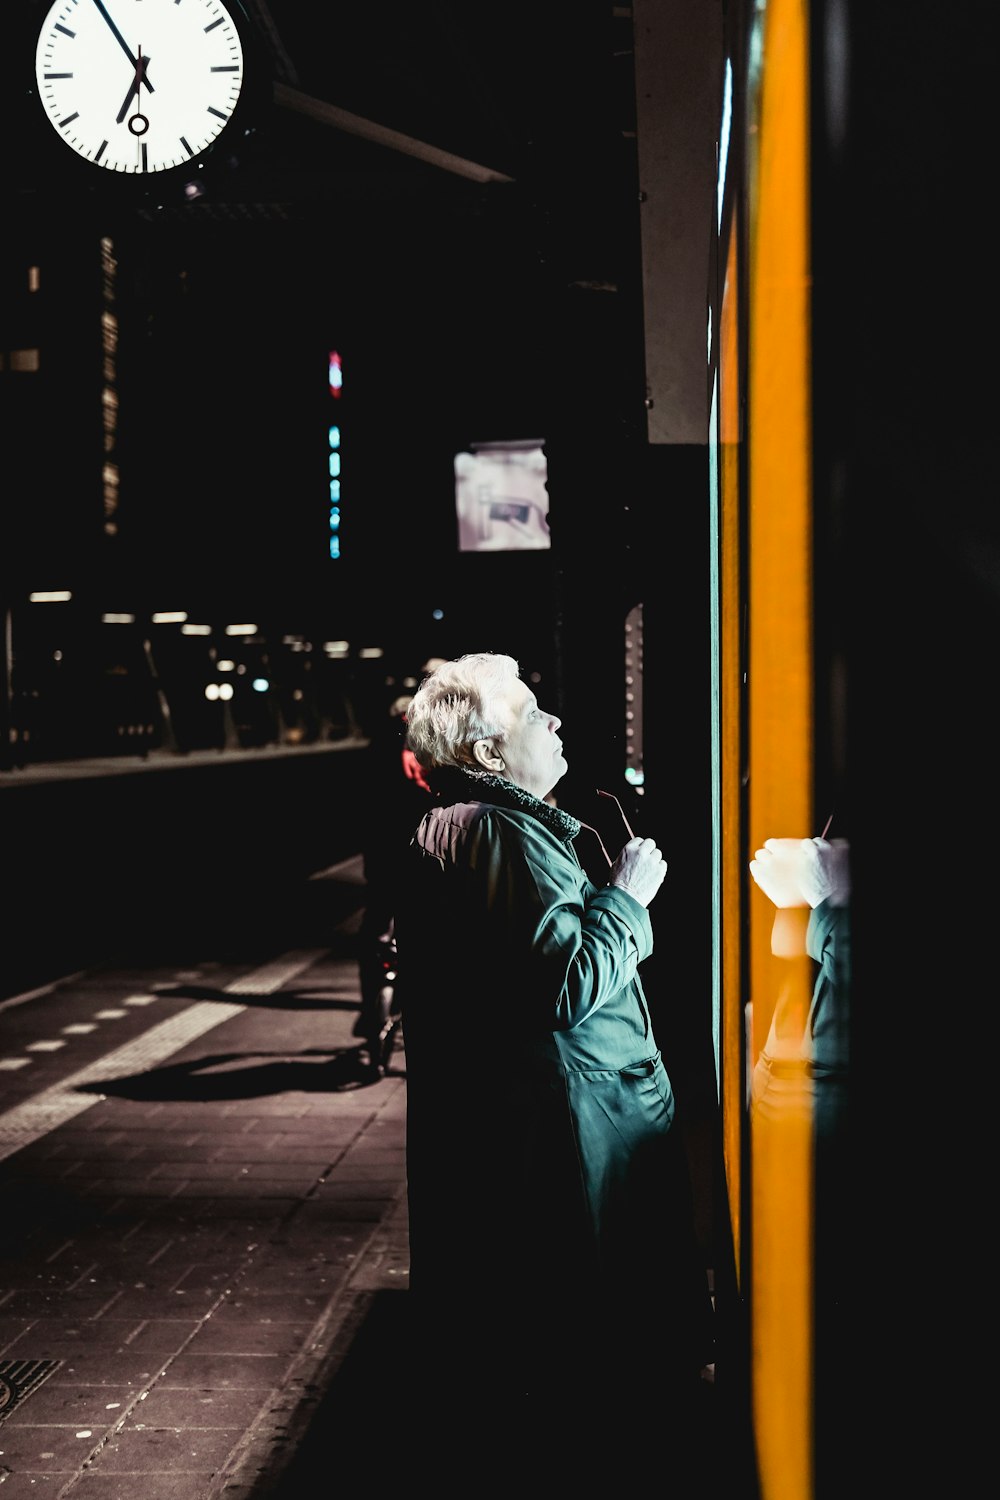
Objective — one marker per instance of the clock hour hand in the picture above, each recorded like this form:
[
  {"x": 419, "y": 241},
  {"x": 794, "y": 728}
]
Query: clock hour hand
[
  {"x": 142, "y": 63},
  {"x": 121, "y": 40}
]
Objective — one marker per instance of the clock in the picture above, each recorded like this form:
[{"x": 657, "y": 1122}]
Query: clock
[{"x": 139, "y": 86}]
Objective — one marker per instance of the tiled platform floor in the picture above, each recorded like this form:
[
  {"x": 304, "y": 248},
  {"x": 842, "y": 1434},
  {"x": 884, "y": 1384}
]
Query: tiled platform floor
[
  {"x": 203, "y": 1199},
  {"x": 204, "y": 1254}
]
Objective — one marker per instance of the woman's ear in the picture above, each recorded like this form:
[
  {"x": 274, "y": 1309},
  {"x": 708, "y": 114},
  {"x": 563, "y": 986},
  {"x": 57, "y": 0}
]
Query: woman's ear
[{"x": 487, "y": 756}]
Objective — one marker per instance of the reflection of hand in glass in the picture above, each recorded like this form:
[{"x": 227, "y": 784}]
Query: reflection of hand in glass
[
  {"x": 802, "y": 872},
  {"x": 824, "y": 872},
  {"x": 776, "y": 870}
]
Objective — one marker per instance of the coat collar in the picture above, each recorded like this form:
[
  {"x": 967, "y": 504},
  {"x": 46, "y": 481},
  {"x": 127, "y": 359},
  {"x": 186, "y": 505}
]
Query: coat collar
[{"x": 457, "y": 785}]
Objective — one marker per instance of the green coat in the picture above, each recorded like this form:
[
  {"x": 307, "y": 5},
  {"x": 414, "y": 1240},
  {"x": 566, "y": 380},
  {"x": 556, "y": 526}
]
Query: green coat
[{"x": 557, "y": 1180}]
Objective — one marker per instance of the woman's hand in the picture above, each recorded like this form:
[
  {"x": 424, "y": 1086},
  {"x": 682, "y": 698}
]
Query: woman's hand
[{"x": 639, "y": 869}]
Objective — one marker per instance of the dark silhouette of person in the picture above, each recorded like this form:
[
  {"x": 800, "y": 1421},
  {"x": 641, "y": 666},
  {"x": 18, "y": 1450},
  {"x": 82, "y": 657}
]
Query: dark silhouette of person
[{"x": 396, "y": 797}]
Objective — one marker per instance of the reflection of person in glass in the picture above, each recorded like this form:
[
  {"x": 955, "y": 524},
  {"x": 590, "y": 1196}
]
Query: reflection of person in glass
[
  {"x": 802, "y": 1075},
  {"x": 813, "y": 874}
]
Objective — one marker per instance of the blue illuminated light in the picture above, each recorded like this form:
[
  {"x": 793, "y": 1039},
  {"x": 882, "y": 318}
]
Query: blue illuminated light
[
  {"x": 336, "y": 383},
  {"x": 260, "y": 684}
]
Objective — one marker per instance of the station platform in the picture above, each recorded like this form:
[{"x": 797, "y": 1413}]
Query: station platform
[{"x": 204, "y": 1267}]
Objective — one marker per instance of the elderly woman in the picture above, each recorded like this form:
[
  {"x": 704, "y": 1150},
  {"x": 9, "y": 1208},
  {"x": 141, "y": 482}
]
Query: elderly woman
[{"x": 551, "y": 1234}]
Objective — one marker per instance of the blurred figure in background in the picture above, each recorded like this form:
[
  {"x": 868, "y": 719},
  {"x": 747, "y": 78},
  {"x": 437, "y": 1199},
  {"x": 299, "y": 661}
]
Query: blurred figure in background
[{"x": 396, "y": 796}]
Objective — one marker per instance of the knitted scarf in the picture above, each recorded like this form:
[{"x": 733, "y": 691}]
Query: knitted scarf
[{"x": 458, "y": 785}]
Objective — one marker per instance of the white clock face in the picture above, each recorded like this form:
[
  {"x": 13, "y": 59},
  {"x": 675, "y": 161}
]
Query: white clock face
[{"x": 139, "y": 85}]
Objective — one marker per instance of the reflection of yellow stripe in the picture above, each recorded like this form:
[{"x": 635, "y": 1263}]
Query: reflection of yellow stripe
[
  {"x": 780, "y": 727},
  {"x": 782, "y": 1280}
]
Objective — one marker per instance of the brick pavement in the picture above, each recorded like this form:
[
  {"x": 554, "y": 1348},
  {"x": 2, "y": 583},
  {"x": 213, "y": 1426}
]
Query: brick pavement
[{"x": 204, "y": 1209}]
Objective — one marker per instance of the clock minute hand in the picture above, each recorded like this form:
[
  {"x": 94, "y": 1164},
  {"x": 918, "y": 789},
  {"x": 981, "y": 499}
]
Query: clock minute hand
[{"x": 121, "y": 40}]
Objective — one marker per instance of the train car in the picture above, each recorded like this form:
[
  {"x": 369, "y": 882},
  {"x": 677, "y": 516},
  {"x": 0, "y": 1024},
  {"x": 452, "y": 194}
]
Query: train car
[{"x": 854, "y": 571}]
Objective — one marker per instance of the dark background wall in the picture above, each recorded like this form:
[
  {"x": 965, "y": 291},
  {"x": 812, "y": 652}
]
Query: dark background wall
[{"x": 168, "y": 862}]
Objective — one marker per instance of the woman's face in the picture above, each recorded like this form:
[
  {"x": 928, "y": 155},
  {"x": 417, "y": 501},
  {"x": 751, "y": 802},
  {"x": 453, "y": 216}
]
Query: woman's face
[{"x": 530, "y": 749}]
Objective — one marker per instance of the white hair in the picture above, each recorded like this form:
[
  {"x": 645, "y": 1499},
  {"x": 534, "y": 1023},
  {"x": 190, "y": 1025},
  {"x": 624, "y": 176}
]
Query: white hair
[{"x": 454, "y": 707}]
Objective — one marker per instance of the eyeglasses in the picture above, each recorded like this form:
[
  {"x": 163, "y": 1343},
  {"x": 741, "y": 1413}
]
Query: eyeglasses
[
  {"x": 597, "y": 836},
  {"x": 614, "y": 799}
]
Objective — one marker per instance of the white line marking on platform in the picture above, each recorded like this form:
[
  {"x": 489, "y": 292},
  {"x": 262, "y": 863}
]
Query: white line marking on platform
[{"x": 52, "y": 1107}]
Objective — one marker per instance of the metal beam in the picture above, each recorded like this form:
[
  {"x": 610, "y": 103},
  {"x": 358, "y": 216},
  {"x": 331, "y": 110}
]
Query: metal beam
[{"x": 381, "y": 135}]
